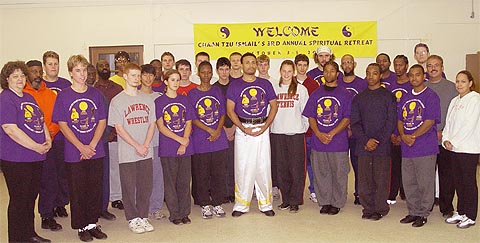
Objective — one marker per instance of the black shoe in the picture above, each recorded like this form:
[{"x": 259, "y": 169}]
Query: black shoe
[
  {"x": 284, "y": 206},
  {"x": 436, "y": 202},
  {"x": 419, "y": 222},
  {"x": 51, "y": 224},
  {"x": 333, "y": 210},
  {"x": 447, "y": 215},
  {"x": 366, "y": 215},
  {"x": 408, "y": 219},
  {"x": 108, "y": 216},
  {"x": 402, "y": 196},
  {"x": 85, "y": 236},
  {"x": 376, "y": 216},
  {"x": 293, "y": 209},
  {"x": 226, "y": 200},
  {"x": 38, "y": 239},
  {"x": 232, "y": 199},
  {"x": 269, "y": 213},
  {"x": 357, "y": 201},
  {"x": 177, "y": 221},
  {"x": 117, "y": 204},
  {"x": 61, "y": 212},
  {"x": 186, "y": 220},
  {"x": 237, "y": 213},
  {"x": 325, "y": 209},
  {"x": 97, "y": 233}
]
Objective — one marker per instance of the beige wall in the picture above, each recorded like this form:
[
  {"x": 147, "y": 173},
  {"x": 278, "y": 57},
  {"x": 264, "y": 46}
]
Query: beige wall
[{"x": 70, "y": 27}]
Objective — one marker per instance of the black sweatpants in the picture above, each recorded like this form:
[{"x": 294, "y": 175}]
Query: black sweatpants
[{"x": 209, "y": 177}]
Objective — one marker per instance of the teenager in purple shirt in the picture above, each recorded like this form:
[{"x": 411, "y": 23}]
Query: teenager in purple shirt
[
  {"x": 418, "y": 115},
  {"x": 25, "y": 141},
  {"x": 81, "y": 114},
  {"x": 210, "y": 143},
  {"x": 51, "y": 65},
  {"x": 174, "y": 116},
  {"x": 328, "y": 112}
]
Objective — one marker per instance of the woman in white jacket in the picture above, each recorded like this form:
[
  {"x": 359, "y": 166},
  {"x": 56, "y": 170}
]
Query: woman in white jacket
[
  {"x": 288, "y": 137},
  {"x": 461, "y": 136}
]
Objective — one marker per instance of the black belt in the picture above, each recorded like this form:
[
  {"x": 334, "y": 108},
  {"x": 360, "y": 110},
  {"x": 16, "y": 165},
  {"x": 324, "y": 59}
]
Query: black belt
[{"x": 253, "y": 121}]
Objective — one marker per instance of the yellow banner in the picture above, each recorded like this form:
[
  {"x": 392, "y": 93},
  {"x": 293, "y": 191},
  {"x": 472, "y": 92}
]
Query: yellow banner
[{"x": 286, "y": 39}]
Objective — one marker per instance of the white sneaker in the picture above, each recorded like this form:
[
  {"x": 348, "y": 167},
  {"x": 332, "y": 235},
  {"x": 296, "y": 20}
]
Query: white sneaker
[
  {"x": 157, "y": 215},
  {"x": 136, "y": 226},
  {"x": 455, "y": 219},
  {"x": 465, "y": 223},
  {"x": 147, "y": 226},
  {"x": 313, "y": 197},
  {"x": 206, "y": 212},
  {"x": 391, "y": 202},
  {"x": 218, "y": 211},
  {"x": 276, "y": 193}
]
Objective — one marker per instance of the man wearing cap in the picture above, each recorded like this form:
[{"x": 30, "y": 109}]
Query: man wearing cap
[
  {"x": 50, "y": 182},
  {"x": 322, "y": 55},
  {"x": 121, "y": 58},
  {"x": 252, "y": 106}
]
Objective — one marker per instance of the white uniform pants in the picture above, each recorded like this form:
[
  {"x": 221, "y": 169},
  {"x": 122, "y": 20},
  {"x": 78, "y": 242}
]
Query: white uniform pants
[{"x": 252, "y": 168}]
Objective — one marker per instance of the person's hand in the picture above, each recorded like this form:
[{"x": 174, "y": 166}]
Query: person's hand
[
  {"x": 409, "y": 140},
  {"x": 371, "y": 145},
  {"x": 181, "y": 150},
  {"x": 448, "y": 145},
  {"x": 86, "y": 151},
  {"x": 214, "y": 134},
  {"x": 184, "y": 141},
  {"x": 141, "y": 150},
  {"x": 324, "y": 138}
]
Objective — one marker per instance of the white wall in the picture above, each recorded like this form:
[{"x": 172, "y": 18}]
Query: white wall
[{"x": 71, "y": 26}]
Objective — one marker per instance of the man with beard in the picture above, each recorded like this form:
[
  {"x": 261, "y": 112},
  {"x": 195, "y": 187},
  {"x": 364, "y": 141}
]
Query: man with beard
[
  {"x": 111, "y": 180},
  {"x": 252, "y": 106},
  {"x": 322, "y": 55},
  {"x": 91, "y": 75},
  {"x": 328, "y": 112},
  {"x": 388, "y": 77},
  {"x": 354, "y": 85},
  {"x": 51, "y": 181},
  {"x": 399, "y": 89}
]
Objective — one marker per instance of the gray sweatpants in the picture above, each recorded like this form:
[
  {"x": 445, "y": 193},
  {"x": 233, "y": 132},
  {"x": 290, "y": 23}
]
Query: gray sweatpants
[
  {"x": 330, "y": 172},
  {"x": 136, "y": 181},
  {"x": 418, "y": 176}
]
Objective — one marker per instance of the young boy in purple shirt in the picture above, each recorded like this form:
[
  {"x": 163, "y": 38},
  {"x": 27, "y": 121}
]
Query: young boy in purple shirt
[
  {"x": 417, "y": 118},
  {"x": 174, "y": 116},
  {"x": 328, "y": 112},
  {"x": 210, "y": 143},
  {"x": 81, "y": 114}
]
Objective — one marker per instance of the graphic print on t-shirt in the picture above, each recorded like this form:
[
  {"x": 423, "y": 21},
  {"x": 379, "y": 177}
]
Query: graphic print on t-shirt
[
  {"x": 82, "y": 115},
  {"x": 33, "y": 117},
  {"x": 207, "y": 109},
  {"x": 253, "y": 100},
  {"x": 327, "y": 111},
  {"x": 399, "y": 93},
  {"x": 412, "y": 114},
  {"x": 174, "y": 117}
]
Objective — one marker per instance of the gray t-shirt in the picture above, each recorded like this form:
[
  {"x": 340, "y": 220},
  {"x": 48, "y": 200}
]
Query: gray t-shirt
[
  {"x": 445, "y": 89},
  {"x": 135, "y": 114}
]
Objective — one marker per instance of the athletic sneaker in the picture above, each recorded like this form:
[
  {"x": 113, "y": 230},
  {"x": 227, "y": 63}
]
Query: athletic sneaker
[
  {"x": 313, "y": 197},
  {"x": 455, "y": 219},
  {"x": 157, "y": 215},
  {"x": 206, "y": 212},
  {"x": 276, "y": 193},
  {"x": 218, "y": 211},
  {"x": 391, "y": 202},
  {"x": 146, "y": 225},
  {"x": 465, "y": 223},
  {"x": 136, "y": 225}
]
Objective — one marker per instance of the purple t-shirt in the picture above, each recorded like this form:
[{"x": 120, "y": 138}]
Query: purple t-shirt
[
  {"x": 317, "y": 75},
  {"x": 413, "y": 111},
  {"x": 355, "y": 87},
  {"x": 175, "y": 113},
  {"x": 329, "y": 107},
  {"x": 58, "y": 85},
  {"x": 26, "y": 114},
  {"x": 209, "y": 106},
  {"x": 81, "y": 112},
  {"x": 399, "y": 91},
  {"x": 387, "y": 82},
  {"x": 251, "y": 99}
]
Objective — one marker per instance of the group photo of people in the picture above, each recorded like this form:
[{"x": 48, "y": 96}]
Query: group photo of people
[{"x": 171, "y": 138}]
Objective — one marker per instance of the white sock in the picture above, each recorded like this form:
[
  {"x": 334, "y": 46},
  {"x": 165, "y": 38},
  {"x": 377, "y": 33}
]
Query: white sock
[{"x": 90, "y": 226}]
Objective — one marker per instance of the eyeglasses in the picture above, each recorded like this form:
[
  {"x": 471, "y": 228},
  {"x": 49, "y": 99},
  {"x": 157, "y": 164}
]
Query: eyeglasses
[
  {"x": 421, "y": 52},
  {"x": 347, "y": 62}
]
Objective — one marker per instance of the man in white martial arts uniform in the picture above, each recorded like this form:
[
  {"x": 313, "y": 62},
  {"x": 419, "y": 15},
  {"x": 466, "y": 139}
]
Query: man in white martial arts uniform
[{"x": 248, "y": 102}]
